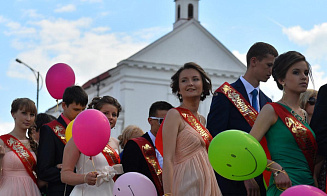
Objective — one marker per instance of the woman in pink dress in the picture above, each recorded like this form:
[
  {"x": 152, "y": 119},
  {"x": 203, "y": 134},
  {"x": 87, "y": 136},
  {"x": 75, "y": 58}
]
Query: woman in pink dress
[
  {"x": 17, "y": 157},
  {"x": 186, "y": 167}
]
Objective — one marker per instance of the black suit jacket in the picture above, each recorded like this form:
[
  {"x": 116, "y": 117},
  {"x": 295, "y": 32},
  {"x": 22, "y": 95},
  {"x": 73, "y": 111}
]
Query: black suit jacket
[
  {"x": 50, "y": 153},
  {"x": 133, "y": 159},
  {"x": 318, "y": 121},
  {"x": 223, "y": 115}
]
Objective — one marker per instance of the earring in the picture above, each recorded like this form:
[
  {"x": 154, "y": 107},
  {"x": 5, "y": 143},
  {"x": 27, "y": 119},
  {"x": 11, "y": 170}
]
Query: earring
[
  {"x": 284, "y": 89},
  {"x": 202, "y": 95},
  {"x": 179, "y": 96}
]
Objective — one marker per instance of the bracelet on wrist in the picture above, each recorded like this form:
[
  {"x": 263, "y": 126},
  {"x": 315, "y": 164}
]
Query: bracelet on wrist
[
  {"x": 276, "y": 173},
  {"x": 268, "y": 165},
  {"x": 85, "y": 178}
]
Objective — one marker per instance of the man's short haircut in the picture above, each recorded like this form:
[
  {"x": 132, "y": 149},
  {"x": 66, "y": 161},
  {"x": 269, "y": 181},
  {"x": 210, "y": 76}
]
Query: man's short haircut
[
  {"x": 260, "y": 50},
  {"x": 75, "y": 94},
  {"x": 159, "y": 105}
]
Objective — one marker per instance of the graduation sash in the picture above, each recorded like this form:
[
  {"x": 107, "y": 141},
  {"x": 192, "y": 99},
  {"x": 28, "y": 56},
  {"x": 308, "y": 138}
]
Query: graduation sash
[
  {"x": 192, "y": 121},
  {"x": 302, "y": 135},
  {"x": 111, "y": 155},
  {"x": 24, "y": 155},
  {"x": 248, "y": 113},
  {"x": 58, "y": 129},
  {"x": 243, "y": 106},
  {"x": 195, "y": 124},
  {"x": 149, "y": 154}
]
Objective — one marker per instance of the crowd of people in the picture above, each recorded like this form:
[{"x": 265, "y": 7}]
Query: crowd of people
[{"x": 36, "y": 159}]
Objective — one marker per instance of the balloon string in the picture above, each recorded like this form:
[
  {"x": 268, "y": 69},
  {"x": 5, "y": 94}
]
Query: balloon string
[
  {"x": 78, "y": 170},
  {"x": 93, "y": 164},
  {"x": 57, "y": 105}
]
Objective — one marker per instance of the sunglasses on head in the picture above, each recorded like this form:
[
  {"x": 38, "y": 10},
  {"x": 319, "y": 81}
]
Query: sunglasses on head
[
  {"x": 156, "y": 118},
  {"x": 312, "y": 101}
]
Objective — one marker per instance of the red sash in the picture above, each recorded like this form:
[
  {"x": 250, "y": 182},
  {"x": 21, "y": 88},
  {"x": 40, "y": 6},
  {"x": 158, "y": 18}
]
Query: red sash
[
  {"x": 302, "y": 135},
  {"x": 244, "y": 107},
  {"x": 149, "y": 154},
  {"x": 59, "y": 130},
  {"x": 111, "y": 155},
  {"x": 195, "y": 124},
  {"x": 191, "y": 120},
  {"x": 23, "y": 154},
  {"x": 249, "y": 114}
]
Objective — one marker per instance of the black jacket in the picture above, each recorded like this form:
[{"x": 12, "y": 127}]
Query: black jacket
[{"x": 50, "y": 153}]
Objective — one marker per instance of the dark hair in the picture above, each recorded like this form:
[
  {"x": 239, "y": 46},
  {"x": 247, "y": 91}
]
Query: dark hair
[
  {"x": 75, "y": 94},
  {"x": 98, "y": 102},
  {"x": 260, "y": 50},
  {"x": 206, "y": 81},
  {"x": 159, "y": 105},
  {"x": 41, "y": 119},
  {"x": 283, "y": 62},
  {"x": 29, "y": 106}
]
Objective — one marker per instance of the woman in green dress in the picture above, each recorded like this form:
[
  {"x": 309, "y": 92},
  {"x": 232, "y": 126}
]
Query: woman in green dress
[{"x": 290, "y": 140}]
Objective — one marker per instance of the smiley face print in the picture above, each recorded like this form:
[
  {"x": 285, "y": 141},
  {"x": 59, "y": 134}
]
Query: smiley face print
[
  {"x": 236, "y": 155},
  {"x": 134, "y": 184}
]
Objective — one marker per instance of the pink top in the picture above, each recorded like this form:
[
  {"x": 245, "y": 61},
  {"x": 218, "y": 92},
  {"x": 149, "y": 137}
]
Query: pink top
[{"x": 15, "y": 180}]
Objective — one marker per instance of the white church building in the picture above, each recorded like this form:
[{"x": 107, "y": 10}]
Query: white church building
[{"x": 144, "y": 78}]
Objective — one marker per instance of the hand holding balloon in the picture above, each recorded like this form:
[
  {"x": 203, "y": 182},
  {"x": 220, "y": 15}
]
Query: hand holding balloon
[{"x": 90, "y": 178}]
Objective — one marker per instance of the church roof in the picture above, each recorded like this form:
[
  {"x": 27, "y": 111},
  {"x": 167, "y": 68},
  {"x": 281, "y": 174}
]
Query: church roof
[
  {"x": 190, "y": 42},
  {"x": 96, "y": 79}
]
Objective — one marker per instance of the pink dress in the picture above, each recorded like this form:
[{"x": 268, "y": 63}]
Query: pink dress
[
  {"x": 193, "y": 174},
  {"x": 15, "y": 181}
]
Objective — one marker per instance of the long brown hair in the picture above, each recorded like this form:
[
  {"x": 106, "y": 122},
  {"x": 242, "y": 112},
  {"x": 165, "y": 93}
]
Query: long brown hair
[{"x": 29, "y": 106}]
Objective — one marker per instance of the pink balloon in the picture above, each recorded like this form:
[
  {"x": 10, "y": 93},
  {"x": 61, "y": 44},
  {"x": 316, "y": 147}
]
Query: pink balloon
[
  {"x": 303, "y": 190},
  {"x": 58, "y": 78},
  {"x": 133, "y": 183},
  {"x": 91, "y": 131}
]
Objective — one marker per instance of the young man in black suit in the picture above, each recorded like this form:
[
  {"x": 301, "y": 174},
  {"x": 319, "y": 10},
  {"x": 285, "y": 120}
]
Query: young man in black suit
[
  {"x": 140, "y": 154},
  {"x": 52, "y": 141},
  {"x": 223, "y": 114},
  {"x": 318, "y": 124}
]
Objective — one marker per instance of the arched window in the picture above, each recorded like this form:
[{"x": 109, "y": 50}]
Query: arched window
[
  {"x": 178, "y": 12},
  {"x": 190, "y": 11}
]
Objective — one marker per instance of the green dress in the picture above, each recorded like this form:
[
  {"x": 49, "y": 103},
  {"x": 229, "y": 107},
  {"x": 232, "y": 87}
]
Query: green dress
[{"x": 285, "y": 151}]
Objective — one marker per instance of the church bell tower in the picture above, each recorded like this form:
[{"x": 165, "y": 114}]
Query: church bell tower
[{"x": 186, "y": 10}]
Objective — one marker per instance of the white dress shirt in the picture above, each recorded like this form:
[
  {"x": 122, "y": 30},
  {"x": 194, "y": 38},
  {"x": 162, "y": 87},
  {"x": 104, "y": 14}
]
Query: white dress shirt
[
  {"x": 159, "y": 157},
  {"x": 249, "y": 88}
]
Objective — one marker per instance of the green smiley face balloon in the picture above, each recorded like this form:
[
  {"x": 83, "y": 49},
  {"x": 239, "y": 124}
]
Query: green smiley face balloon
[{"x": 237, "y": 155}]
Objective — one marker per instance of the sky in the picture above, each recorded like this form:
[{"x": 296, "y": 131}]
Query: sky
[{"x": 92, "y": 36}]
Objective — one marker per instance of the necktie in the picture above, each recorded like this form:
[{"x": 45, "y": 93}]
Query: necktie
[{"x": 254, "y": 99}]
